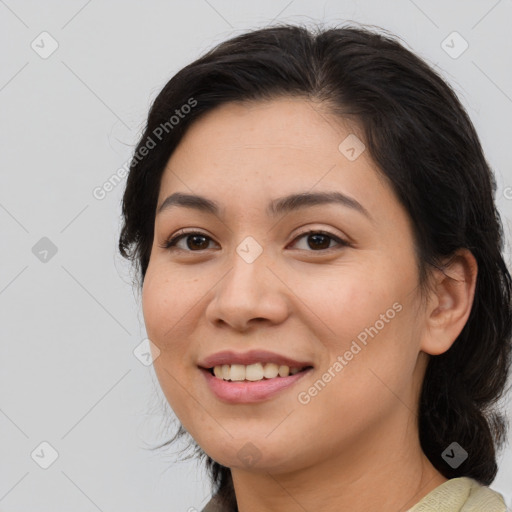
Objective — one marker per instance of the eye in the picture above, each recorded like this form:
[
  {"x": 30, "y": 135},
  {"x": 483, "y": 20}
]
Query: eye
[
  {"x": 194, "y": 241},
  {"x": 320, "y": 240}
]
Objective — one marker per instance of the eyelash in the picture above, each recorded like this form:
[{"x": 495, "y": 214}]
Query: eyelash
[{"x": 170, "y": 243}]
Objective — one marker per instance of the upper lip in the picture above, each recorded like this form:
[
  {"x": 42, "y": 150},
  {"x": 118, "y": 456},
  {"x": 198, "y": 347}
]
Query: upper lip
[{"x": 250, "y": 357}]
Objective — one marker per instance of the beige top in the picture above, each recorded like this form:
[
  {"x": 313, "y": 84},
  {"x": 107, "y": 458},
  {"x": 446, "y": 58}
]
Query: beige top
[
  {"x": 461, "y": 495},
  {"x": 456, "y": 495}
]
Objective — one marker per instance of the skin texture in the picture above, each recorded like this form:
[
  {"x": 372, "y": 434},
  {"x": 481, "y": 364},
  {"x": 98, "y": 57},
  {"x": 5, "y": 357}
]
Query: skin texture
[{"x": 355, "y": 445}]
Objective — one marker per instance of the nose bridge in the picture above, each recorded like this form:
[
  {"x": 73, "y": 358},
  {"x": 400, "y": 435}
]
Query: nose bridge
[
  {"x": 249, "y": 290},
  {"x": 247, "y": 277}
]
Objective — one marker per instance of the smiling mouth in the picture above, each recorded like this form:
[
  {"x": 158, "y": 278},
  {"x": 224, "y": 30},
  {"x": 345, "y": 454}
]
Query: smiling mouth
[{"x": 253, "y": 372}]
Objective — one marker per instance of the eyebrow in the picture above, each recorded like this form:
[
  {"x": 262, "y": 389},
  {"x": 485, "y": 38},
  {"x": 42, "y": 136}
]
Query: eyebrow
[{"x": 276, "y": 207}]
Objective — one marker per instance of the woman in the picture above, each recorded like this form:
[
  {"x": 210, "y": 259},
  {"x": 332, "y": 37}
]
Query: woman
[{"x": 312, "y": 218}]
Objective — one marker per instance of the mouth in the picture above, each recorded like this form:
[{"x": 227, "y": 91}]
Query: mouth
[
  {"x": 241, "y": 384},
  {"x": 253, "y": 376},
  {"x": 254, "y": 372}
]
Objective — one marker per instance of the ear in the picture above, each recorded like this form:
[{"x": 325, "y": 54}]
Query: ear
[{"x": 449, "y": 303}]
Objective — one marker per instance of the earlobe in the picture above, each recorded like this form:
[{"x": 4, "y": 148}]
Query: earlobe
[{"x": 450, "y": 302}]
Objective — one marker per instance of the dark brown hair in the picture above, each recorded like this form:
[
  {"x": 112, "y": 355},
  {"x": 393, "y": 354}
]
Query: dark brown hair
[{"x": 424, "y": 143}]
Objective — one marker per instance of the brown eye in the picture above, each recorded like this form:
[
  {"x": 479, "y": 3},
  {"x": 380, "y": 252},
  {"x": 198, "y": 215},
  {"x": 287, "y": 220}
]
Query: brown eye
[
  {"x": 317, "y": 241},
  {"x": 320, "y": 241},
  {"x": 199, "y": 242},
  {"x": 193, "y": 242}
]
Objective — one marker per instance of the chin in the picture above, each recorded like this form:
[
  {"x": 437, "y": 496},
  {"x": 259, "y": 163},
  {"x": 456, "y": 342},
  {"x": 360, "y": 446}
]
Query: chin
[{"x": 258, "y": 456}]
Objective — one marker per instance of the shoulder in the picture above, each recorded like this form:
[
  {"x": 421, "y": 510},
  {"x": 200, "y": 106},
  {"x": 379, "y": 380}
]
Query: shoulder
[{"x": 461, "y": 495}]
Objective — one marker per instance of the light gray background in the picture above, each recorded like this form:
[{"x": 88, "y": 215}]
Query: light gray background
[{"x": 69, "y": 325}]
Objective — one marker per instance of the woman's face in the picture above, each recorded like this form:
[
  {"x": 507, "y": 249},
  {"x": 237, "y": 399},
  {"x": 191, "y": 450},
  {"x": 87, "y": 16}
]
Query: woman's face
[{"x": 250, "y": 279}]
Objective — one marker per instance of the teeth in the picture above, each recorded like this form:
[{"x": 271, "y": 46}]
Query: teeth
[
  {"x": 237, "y": 372},
  {"x": 284, "y": 371},
  {"x": 271, "y": 370},
  {"x": 253, "y": 372}
]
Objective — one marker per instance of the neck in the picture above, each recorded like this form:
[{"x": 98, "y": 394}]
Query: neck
[{"x": 391, "y": 476}]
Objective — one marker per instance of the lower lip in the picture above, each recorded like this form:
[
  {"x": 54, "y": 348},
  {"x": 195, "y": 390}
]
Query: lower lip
[{"x": 245, "y": 392}]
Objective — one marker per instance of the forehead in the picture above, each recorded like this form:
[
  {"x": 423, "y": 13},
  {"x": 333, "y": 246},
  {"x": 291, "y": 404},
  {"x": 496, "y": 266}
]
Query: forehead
[
  {"x": 253, "y": 151},
  {"x": 294, "y": 123}
]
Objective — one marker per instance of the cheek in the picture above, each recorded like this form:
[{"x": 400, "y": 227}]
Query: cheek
[
  {"x": 347, "y": 300},
  {"x": 365, "y": 315},
  {"x": 167, "y": 308},
  {"x": 155, "y": 304}
]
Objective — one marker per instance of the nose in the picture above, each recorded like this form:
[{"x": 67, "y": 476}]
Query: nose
[{"x": 249, "y": 294}]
